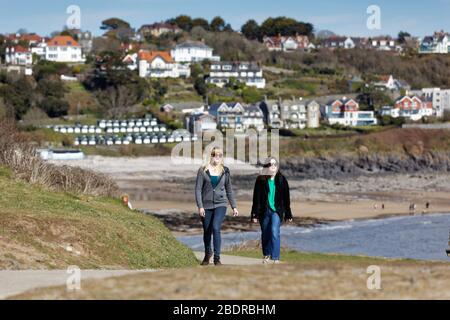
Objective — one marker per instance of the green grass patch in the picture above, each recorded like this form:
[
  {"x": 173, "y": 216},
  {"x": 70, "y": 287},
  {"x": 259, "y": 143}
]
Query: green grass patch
[
  {"x": 102, "y": 232},
  {"x": 293, "y": 256}
]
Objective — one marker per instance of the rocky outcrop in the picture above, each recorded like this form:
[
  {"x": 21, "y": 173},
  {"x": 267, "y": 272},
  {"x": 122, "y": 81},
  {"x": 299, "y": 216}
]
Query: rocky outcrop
[{"x": 348, "y": 166}]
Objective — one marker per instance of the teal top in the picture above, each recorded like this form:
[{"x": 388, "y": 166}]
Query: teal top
[
  {"x": 214, "y": 181},
  {"x": 271, "y": 199}
]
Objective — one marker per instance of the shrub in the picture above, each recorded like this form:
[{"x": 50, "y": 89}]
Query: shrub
[{"x": 18, "y": 154}]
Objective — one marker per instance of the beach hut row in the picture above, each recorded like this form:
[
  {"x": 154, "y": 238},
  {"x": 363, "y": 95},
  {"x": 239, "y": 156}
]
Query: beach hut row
[
  {"x": 131, "y": 138},
  {"x": 95, "y": 129},
  {"x": 158, "y": 128},
  {"x": 128, "y": 123},
  {"x": 76, "y": 129}
]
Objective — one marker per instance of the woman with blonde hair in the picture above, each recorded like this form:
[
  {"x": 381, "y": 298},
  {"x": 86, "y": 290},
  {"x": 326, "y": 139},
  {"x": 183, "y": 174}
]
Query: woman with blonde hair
[
  {"x": 213, "y": 191},
  {"x": 271, "y": 205}
]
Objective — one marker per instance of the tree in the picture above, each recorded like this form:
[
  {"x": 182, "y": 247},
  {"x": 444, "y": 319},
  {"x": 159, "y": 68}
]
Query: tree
[
  {"x": 285, "y": 26},
  {"x": 200, "y": 22},
  {"x": 200, "y": 86},
  {"x": 55, "y": 107},
  {"x": 182, "y": 21},
  {"x": 114, "y": 24},
  {"x": 402, "y": 35},
  {"x": 217, "y": 24},
  {"x": 251, "y": 30}
]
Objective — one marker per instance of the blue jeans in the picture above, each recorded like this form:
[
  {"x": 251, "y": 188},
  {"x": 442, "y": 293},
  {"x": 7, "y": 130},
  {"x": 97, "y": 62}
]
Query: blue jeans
[
  {"x": 212, "y": 222},
  {"x": 270, "y": 234}
]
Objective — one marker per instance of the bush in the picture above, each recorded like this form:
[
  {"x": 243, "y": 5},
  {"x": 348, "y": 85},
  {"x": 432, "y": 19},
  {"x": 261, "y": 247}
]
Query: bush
[{"x": 18, "y": 154}]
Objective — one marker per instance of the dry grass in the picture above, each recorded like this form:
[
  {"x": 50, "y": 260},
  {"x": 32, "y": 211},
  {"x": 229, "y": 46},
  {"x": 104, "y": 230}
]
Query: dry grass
[
  {"x": 343, "y": 277},
  {"x": 19, "y": 154}
]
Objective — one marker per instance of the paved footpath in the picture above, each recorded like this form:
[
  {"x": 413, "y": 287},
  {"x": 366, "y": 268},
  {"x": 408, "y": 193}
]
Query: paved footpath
[{"x": 15, "y": 282}]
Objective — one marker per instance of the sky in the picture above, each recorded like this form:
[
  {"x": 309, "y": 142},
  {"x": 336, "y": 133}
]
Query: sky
[{"x": 344, "y": 17}]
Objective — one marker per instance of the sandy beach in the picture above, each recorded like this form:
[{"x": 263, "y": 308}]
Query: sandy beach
[{"x": 159, "y": 186}]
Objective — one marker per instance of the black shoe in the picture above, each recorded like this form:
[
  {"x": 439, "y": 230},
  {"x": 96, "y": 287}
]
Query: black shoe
[
  {"x": 206, "y": 259},
  {"x": 217, "y": 261}
]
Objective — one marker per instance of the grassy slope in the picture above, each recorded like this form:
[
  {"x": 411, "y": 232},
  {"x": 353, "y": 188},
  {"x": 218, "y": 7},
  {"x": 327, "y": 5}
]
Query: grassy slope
[{"x": 36, "y": 226}]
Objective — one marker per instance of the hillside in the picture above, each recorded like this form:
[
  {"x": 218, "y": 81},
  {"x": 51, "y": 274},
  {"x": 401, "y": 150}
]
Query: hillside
[{"x": 40, "y": 229}]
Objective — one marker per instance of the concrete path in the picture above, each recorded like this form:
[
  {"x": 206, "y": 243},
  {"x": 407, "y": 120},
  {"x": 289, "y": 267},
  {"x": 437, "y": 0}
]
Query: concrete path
[
  {"x": 15, "y": 282},
  {"x": 232, "y": 260}
]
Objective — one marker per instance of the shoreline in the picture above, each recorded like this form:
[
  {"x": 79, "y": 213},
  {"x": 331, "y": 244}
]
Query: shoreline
[{"x": 182, "y": 222}]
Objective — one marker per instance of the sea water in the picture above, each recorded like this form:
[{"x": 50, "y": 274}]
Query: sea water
[{"x": 422, "y": 237}]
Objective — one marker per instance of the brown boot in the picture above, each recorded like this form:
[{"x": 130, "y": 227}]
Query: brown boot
[{"x": 206, "y": 259}]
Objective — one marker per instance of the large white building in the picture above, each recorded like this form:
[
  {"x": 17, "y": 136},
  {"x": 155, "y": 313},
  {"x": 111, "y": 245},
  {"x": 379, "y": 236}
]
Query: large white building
[
  {"x": 346, "y": 112},
  {"x": 159, "y": 64},
  {"x": 249, "y": 73},
  {"x": 193, "y": 52},
  {"x": 63, "y": 49},
  {"x": 18, "y": 55}
]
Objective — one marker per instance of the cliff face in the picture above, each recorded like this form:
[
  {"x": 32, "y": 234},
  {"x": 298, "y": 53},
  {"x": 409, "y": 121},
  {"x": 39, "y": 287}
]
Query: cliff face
[{"x": 346, "y": 166}]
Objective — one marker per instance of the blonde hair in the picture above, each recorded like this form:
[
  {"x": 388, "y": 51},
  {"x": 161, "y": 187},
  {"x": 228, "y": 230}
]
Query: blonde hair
[{"x": 211, "y": 155}]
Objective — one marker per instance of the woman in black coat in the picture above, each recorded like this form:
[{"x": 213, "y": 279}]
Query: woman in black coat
[{"x": 271, "y": 205}]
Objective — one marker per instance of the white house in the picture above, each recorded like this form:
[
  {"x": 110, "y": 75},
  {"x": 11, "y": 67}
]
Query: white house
[
  {"x": 437, "y": 43},
  {"x": 160, "y": 64},
  {"x": 253, "y": 118},
  {"x": 64, "y": 49},
  {"x": 228, "y": 115},
  {"x": 249, "y": 73},
  {"x": 291, "y": 114},
  {"x": 131, "y": 61},
  {"x": 193, "y": 52},
  {"x": 287, "y": 43},
  {"x": 414, "y": 107},
  {"x": 346, "y": 112},
  {"x": 199, "y": 122},
  {"x": 18, "y": 55},
  {"x": 338, "y": 42},
  {"x": 440, "y": 98}
]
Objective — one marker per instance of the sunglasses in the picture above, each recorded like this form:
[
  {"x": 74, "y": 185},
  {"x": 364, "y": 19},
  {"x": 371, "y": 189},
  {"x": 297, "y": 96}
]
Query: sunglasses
[
  {"x": 268, "y": 165},
  {"x": 217, "y": 155}
]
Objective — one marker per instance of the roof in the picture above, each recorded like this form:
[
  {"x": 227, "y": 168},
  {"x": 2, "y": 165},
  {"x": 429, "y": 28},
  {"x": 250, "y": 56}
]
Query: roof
[
  {"x": 151, "y": 55},
  {"x": 160, "y": 25},
  {"x": 62, "y": 41},
  {"x": 20, "y": 49},
  {"x": 26, "y": 37},
  {"x": 193, "y": 44}
]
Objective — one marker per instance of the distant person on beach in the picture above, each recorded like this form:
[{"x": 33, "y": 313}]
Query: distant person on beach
[
  {"x": 382, "y": 206},
  {"x": 213, "y": 191},
  {"x": 375, "y": 206},
  {"x": 271, "y": 204}
]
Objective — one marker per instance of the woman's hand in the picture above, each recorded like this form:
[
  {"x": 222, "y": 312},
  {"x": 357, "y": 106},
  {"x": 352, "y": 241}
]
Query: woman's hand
[
  {"x": 235, "y": 212},
  {"x": 201, "y": 212},
  {"x": 255, "y": 220}
]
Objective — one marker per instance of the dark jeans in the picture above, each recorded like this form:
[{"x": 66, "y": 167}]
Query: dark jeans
[
  {"x": 270, "y": 234},
  {"x": 212, "y": 222}
]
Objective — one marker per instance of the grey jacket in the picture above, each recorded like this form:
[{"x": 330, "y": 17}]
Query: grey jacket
[{"x": 208, "y": 197}]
